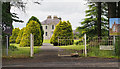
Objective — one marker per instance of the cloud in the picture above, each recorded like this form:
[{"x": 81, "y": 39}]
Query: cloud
[{"x": 72, "y": 10}]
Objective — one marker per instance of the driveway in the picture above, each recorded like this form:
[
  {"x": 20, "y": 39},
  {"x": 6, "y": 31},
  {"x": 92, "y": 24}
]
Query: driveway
[{"x": 48, "y": 57}]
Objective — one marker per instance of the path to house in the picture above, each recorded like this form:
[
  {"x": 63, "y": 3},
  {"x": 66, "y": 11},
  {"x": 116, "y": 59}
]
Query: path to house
[{"x": 48, "y": 57}]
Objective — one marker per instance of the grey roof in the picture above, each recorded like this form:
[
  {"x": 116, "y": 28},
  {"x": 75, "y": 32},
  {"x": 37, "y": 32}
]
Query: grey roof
[{"x": 50, "y": 20}]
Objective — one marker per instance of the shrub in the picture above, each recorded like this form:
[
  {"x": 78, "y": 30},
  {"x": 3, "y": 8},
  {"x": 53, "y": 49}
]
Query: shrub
[
  {"x": 14, "y": 35},
  {"x": 34, "y": 28},
  {"x": 117, "y": 46},
  {"x": 18, "y": 39},
  {"x": 13, "y": 48},
  {"x": 37, "y": 20},
  {"x": 80, "y": 42},
  {"x": 63, "y": 30}
]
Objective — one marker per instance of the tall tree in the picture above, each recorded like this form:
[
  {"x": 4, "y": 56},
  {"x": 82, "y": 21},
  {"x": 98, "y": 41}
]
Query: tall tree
[
  {"x": 37, "y": 20},
  {"x": 118, "y": 9},
  {"x": 63, "y": 30},
  {"x": 34, "y": 28},
  {"x": 90, "y": 25},
  {"x": 99, "y": 18}
]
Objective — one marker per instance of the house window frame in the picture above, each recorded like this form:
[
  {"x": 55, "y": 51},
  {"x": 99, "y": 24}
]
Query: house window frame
[
  {"x": 45, "y": 27},
  {"x": 45, "y": 33},
  {"x": 52, "y": 26}
]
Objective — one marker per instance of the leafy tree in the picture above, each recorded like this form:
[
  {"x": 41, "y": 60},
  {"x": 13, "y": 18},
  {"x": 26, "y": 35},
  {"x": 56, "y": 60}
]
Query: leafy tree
[
  {"x": 18, "y": 39},
  {"x": 90, "y": 25},
  {"x": 14, "y": 35},
  {"x": 63, "y": 30},
  {"x": 34, "y": 28},
  {"x": 37, "y": 20}
]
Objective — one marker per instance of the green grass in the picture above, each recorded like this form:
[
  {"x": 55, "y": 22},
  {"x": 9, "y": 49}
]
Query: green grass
[
  {"x": 46, "y": 41},
  {"x": 20, "y": 52},
  {"x": 96, "y": 52},
  {"x": 75, "y": 47},
  {"x": 114, "y": 33}
]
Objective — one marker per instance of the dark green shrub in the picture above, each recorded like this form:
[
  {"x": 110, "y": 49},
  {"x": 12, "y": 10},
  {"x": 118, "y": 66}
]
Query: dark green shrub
[
  {"x": 117, "y": 46},
  {"x": 79, "y": 42},
  {"x": 13, "y": 48},
  {"x": 63, "y": 30}
]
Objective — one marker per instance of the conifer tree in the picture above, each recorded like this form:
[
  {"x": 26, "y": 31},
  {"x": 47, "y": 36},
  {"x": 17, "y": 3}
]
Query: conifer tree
[
  {"x": 14, "y": 35},
  {"x": 63, "y": 30},
  {"x": 34, "y": 28},
  {"x": 20, "y": 35}
]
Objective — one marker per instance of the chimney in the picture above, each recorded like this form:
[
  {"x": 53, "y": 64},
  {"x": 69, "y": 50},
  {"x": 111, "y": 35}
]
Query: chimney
[
  {"x": 55, "y": 17},
  {"x": 49, "y": 17}
]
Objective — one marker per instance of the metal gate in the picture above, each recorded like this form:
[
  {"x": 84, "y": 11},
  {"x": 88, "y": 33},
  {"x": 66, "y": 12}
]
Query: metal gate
[
  {"x": 69, "y": 47},
  {"x": 104, "y": 46}
]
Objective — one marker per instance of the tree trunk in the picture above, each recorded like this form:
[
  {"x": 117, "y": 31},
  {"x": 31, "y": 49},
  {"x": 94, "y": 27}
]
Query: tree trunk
[
  {"x": 99, "y": 19},
  {"x": 112, "y": 7},
  {"x": 118, "y": 10}
]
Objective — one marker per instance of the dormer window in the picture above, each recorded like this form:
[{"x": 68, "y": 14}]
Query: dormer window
[{"x": 52, "y": 26}]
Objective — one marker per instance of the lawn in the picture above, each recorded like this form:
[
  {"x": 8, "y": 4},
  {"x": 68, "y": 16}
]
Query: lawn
[
  {"x": 74, "y": 46},
  {"x": 96, "y": 52},
  {"x": 20, "y": 52},
  {"x": 46, "y": 41}
]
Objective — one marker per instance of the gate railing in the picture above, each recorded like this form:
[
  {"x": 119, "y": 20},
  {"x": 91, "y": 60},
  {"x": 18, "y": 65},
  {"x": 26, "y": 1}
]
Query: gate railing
[
  {"x": 70, "y": 46},
  {"x": 102, "y": 46}
]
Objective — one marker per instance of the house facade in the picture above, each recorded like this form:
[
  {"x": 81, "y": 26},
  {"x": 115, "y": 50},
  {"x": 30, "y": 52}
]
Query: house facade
[
  {"x": 49, "y": 26},
  {"x": 115, "y": 28}
]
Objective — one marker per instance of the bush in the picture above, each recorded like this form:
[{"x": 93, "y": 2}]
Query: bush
[
  {"x": 117, "y": 46},
  {"x": 18, "y": 39},
  {"x": 14, "y": 35},
  {"x": 34, "y": 28},
  {"x": 63, "y": 30},
  {"x": 13, "y": 48},
  {"x": 79, "y": 42},
  {"x": 37, "y": 20}
]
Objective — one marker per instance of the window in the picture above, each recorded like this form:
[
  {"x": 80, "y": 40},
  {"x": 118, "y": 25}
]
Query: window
[
  {"x": 45, "y": 27},
  {"x": 52, "y": 26},
  {"x": 114, "y": 28},
  {"x": 45, "y": 33}
]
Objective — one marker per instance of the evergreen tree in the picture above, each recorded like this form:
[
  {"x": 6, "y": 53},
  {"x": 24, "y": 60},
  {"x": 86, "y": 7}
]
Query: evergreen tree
[
  {"x": 63, "y": 30},
  {"x": 20, "y": 35},
  {"x": 37, "y": 20},
  {"x": 89, "y": 25},
  {"x": 34, "y": 28},
  {"x": 14, "y": 35}
]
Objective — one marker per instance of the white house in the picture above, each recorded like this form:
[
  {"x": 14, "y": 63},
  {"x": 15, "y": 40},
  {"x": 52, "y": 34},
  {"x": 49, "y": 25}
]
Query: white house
[{"x": 49, "y": 26}]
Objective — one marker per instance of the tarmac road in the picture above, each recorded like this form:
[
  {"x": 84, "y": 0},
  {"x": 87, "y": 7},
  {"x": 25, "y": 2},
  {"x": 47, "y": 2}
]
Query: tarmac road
[{"x": 48, "y": 57}]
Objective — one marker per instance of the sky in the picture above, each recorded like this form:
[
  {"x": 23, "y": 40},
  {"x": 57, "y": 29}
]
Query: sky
[
  {"x": 72, "y": 10},
  {"x": 112, "y": 20}
]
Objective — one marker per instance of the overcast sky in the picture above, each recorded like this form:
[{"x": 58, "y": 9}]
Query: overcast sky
[{"x": 72, "y": 10}]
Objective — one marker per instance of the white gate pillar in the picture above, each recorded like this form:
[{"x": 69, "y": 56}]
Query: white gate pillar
[
  {"x": 85, "y": 46},
  {"x": 31, "y": 45}
]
